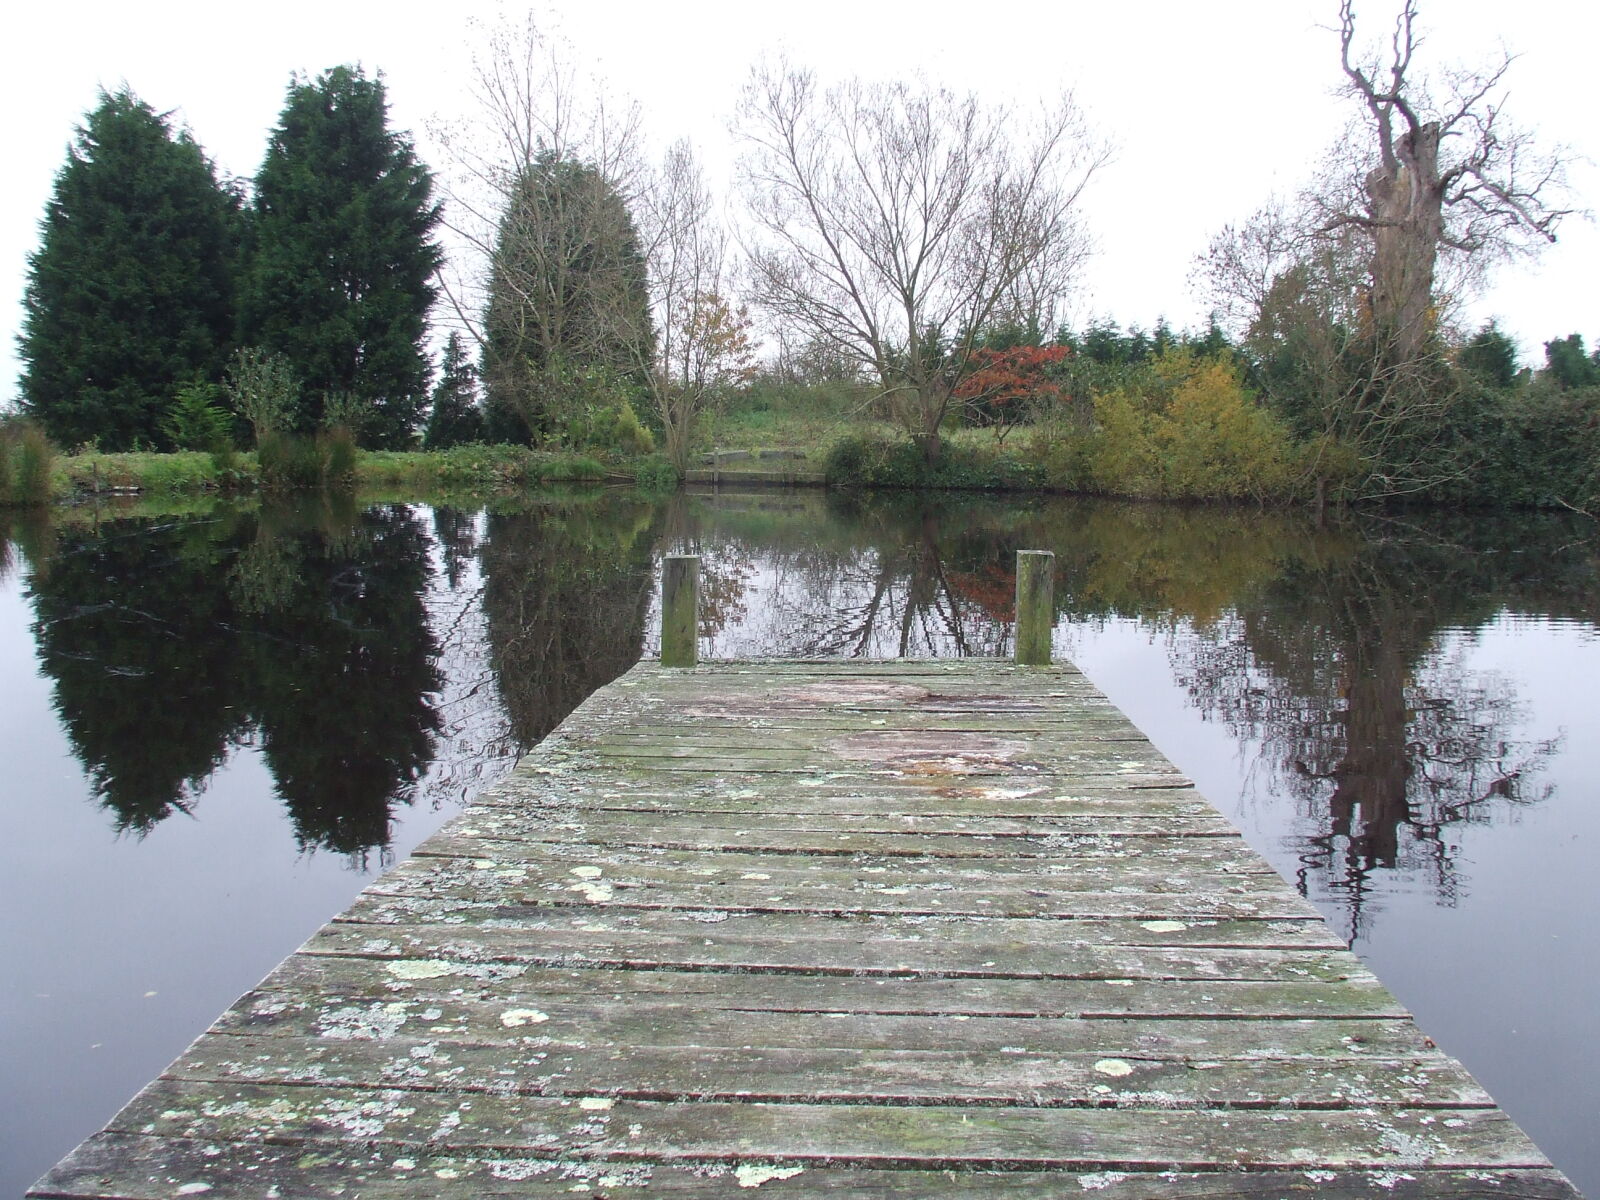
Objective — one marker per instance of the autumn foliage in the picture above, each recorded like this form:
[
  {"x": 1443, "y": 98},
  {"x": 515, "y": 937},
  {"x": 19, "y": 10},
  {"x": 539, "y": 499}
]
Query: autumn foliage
[{"x": 999, "y": 386}]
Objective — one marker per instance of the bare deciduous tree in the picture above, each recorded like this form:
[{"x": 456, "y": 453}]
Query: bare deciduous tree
[
  {"x": 702, "y": 344},
  {"x": 894, "y": 223}
]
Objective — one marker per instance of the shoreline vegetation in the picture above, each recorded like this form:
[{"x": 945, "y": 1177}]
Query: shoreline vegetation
[{"x": 1125, "y": 415}]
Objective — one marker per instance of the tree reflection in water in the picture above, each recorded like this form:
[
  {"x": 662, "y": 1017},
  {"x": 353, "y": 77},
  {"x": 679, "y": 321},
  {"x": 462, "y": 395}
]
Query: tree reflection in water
[
  {"x": 567, "y": 587},
  {"x": 372, "y": 660},
  {"x": 1342, "y": 670},
  {"x": 842, "y": 578},
  {"x": 1326, "y": 648},
  {"x": 296, "y": 629}
]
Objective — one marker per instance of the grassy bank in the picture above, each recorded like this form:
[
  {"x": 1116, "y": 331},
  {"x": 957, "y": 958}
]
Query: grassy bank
[{"x": 475, "y": 470}]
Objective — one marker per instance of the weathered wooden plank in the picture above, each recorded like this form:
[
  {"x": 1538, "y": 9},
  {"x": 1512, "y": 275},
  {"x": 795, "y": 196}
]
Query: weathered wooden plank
[
  {"x": 976, "y": 934},
  {"x": 671, "y": 821},
  {"x": 863, "y": 748},
  {"x": 601, "y": 943},
  {"x": 1236, "y": 873},
  {"x": 1022, "y": 799},
  {"x": 1015, "y": 804},
  {"x": 599, "y": 1022},
  {"x": 1066, "y": 734},
  {"x": 792, "y": 768},
  {"x": 926, "y": 1136},
  {"x": 1089, "y": 721},
  {"x": 594, "y": 1020},
  {"x": 885, "y": 747},
  {"x": 307, "y": 980},
  {"x": 980, "y": 672},
  {"x": 1241, "y": 874},
  {"x": 796, "y": 890},
  {"x": 604, "y": 836},
  {"x": 769, "y": 701},
  {"x": 140, "y": 1167},
  {"x": 850, "y": 682},
  {"x": 1178, "y": 882},
  {"x": 669, "y": 1070}
]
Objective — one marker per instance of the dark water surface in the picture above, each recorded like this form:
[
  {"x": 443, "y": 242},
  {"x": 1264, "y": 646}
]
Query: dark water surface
[{"x": 217, "y": 727}]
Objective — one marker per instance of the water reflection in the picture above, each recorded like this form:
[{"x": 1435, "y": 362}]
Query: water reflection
[
  {"x": 295, "y": 630},
  {"x": 800, "y": 576},
  {"x": 1341, "y": 672},
  {"x": 306, "y": 632},
  {"x": 894, "y": 576},
  {"x": 566, "y": 590},
  {"x": 1321, "y": 649},
  {"x": 357, "y": 650}
]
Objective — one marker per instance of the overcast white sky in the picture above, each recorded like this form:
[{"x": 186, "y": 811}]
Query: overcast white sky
[{"x": 1212, "y": 106}]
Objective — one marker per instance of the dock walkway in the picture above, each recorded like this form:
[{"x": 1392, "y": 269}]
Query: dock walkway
[{"x": 909, "y": 929}]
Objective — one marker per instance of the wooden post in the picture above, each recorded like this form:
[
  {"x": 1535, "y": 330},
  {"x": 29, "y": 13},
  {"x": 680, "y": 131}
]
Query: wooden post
[
  {"x": 680, "y": 610},
  {"x": 1036, "y": 577}
]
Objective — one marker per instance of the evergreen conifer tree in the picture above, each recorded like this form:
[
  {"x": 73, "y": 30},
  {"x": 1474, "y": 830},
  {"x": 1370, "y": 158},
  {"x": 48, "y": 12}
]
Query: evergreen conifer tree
[
  {"x": 568, "y": 318},
  {"x": 1567, "y": 364},
  {"x": 455, "y": 418},
  {"x": 130, "y": 294},
  {"x": 1491, "y": 355},
  {"x": 343, "y": 256}
]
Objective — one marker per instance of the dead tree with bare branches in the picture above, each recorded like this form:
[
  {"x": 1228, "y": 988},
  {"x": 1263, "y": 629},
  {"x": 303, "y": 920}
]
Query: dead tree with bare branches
[
  {"x": 1446, "y": 174},
  {"x": 702, "y": 345},
  {"x": 1341, "y": 292}
]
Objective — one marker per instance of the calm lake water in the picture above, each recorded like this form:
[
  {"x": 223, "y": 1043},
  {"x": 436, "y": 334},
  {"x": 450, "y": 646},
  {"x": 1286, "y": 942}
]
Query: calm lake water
[{"x": 217, "y": 727}]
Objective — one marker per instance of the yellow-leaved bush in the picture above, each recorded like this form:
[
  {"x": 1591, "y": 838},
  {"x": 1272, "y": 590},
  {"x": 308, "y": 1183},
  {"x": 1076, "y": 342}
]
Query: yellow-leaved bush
[{"x": 1193, "y": 431}]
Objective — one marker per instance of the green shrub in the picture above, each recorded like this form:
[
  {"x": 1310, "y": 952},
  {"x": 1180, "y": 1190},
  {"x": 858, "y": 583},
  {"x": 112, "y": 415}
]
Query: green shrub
[
  {"x": 228, "y": 467},
  {"x": 1538, "y": 445},
  {"x": 1190, "y": 430},
  {"x": 1216, "y": 441},
  {"x": 189, "y": 471},
  {"x": 573, "y": 467},
  {"x": 195, "y": 421},
  {"x": 472, "y": 467},
  {"x": 346, "y": 411},
  {"x": 846, "y": 463},
  {"x": 629, "y": 436},
  {"x": 493, "y": 466},
  {"x": 881, "y": 462},
  {"x": 286, "y": 461},
  {"x": 338, "y": 453},
  {"x": 29, "y": 462},
  {"x": 263, "y": 389},
  {"x": 1122, "y": 458},
  {"x": 655, "y": 474},
  {"x": 1063, "y": 451}
]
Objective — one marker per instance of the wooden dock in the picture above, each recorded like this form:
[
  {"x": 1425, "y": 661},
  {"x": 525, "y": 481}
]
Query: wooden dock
[{"x": 905, "y": 929}]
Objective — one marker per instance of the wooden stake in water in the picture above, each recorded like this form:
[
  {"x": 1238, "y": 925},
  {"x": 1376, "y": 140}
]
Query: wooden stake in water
[
  {"x": 1036, "y": 577},
  {"x": 680, "y": 610}
]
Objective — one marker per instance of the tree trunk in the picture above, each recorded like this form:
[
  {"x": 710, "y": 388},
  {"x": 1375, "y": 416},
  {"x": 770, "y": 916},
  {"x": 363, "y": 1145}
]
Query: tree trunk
[{"x": 1406, "y": 203}]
